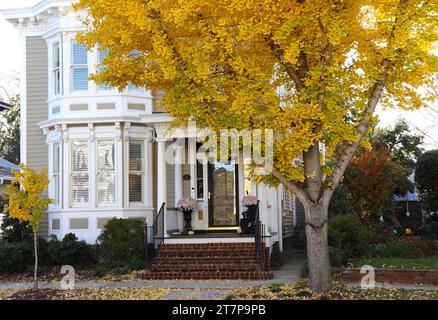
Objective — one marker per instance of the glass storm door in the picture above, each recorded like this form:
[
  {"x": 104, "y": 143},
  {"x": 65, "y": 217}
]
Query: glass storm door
[{"x": 222, "y": 195}]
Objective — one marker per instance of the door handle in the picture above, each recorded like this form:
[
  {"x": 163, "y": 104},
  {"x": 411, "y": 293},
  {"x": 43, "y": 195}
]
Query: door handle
[{"x": 209, "y": 195}]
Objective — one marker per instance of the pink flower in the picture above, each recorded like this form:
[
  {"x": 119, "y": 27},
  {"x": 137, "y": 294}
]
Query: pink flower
[
  {"x": 186, "y": 204},
  {"x": 249, "y": 201}
]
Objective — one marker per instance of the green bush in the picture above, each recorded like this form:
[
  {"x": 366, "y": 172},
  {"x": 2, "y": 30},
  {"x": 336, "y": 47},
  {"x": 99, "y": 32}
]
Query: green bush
[
  {"x": 69, "y": 251},
  {"x": 15, "y": 256},
  {"x": 19, "y": 256},
  {"x": 347, "y": 234},
  {"x": 396, "y": 249},
  {"x": 122, "y": 240}
]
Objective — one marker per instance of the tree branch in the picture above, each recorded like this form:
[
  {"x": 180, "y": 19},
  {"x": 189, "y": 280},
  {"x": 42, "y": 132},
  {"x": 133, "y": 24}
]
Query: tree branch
[
  {"x": 293, "y": 186},
  {"x": 348, "y": 152}
]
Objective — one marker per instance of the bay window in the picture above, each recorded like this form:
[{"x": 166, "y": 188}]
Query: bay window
[
  {"x": 79, "y": 173},
  {"x": 136, "y": 171},
  {"x": 79, "y": 67},
  {"x": 106, "y": 177}
]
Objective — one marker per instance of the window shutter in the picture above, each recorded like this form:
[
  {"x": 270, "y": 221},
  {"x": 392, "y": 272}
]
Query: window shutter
[
  {"x": 80, "y": 172},
  {"x": 135, "y": 171},
  {"x": 106, "y": 167}
]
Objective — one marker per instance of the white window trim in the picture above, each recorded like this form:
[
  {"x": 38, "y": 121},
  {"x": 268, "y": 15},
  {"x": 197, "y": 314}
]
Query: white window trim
[{"x": 57, "y": 194}]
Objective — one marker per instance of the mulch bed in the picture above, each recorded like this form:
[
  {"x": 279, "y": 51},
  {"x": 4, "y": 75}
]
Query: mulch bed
[
  {"x": 41, "y": 294},
  {"x": 390, "y": 275}
]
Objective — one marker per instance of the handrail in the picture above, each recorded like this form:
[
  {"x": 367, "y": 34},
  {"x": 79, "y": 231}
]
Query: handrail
[
  {"x": 259, "y": 239},
  {"x": 152, "y": 245}
]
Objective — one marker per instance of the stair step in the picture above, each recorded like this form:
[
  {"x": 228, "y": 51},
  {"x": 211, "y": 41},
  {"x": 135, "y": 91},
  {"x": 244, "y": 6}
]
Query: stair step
[
  {"x": 191, "y": 260},
  {"x": 201, "y": 275},
  {"x": 205, "y": 267}
]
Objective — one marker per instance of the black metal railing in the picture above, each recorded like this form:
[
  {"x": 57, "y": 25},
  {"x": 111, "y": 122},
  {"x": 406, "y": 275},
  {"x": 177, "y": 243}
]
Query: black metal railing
[
  {"x": 259, "y": 240},
  {"x": 154, "y": 235}
]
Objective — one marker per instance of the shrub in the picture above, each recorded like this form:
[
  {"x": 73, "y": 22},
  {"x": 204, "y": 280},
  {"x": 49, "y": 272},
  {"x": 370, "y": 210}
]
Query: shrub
[
  {"x": 348, "y": 235},
  {"x": 396, "y": 249},
  {"x": 69, "y": 251},
  {"x": 19, "y": 256},
  {"x": 122, "y": 240}
]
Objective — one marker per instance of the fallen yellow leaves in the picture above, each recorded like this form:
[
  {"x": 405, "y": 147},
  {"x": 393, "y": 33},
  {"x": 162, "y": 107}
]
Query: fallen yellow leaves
[
  {"x": 122, "y": 293},
  {"x": 301, "y": 291}
]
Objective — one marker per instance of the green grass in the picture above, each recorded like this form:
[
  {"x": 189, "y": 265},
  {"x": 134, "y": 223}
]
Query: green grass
[{"x": 426, "y": 263}]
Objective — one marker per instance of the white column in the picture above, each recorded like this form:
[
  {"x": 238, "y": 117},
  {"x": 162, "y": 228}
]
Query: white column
[
  {"x": 178, "y": 178},
  {"x": 119, "y": 166},
  {"x": 161, "y": 178},
  {"x": 148, "y": 169},
  {"x": 65, "y": 168}
]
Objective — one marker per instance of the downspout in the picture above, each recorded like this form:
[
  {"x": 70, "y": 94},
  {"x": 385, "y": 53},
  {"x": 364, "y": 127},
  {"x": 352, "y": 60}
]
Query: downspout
[{"x": 280, "y": 217}]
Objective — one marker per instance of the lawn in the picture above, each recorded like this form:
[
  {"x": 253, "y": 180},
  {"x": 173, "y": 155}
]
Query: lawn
[
  {"x": 426, "y": 263},
  {"x": 301, "y": 291}
]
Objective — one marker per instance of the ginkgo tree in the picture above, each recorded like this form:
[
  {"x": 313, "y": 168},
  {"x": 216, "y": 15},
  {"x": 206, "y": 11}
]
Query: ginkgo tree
[
  {"x": 311, "y": 70},
  {"x": 27, "y": 202}
]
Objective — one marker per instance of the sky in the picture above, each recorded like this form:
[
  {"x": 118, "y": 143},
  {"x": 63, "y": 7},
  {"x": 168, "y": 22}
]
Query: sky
[{"x": 425, "y": 121}]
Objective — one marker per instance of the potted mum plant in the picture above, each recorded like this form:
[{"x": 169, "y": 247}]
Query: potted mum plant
[
  {"x": 187, "y": 205},
  {"x": 248, "y": 220}
]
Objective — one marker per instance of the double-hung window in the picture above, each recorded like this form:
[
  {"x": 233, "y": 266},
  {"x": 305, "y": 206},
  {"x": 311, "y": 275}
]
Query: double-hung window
[
  {"x": 136, "y": 171},
  {"x": 56, "y": 69},
  {"x": 57, "y": 173},
  {"x": 79, "y": 67},
  {"x": 79, "y": 173},
  {"x": 106, "y": 175},
  {"x": 100, "y": 56}
]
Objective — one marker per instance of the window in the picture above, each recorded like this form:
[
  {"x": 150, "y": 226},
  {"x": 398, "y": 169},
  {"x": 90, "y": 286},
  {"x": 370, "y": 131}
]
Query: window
[
  {"x": 57, "y": 173},
  {"x": 56, "y": 69},
  {"x": 100, "y": 56},
  {"x": 79, "y": 172},
  {"x": 79, "y": 67},
  {"x": 106, "y": 177},
  {"x": 135, "y": 171},
  {"x": 200, "y": 174}
]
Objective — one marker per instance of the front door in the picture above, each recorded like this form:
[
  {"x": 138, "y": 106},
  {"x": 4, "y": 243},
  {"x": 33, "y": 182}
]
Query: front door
[{"x": 222, "y": 195}]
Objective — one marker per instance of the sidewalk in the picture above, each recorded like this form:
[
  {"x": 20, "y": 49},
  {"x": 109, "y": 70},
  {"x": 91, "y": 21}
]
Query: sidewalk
[{"x": 290, "y": 272}]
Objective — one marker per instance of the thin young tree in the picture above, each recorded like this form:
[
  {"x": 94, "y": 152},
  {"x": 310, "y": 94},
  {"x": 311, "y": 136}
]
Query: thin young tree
[
  {"x": 27, "y": 203},
  {"x": 313, "y": 71}
]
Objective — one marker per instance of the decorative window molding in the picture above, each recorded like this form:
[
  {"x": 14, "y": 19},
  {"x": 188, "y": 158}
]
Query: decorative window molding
[{"x": 79, "y": 67}]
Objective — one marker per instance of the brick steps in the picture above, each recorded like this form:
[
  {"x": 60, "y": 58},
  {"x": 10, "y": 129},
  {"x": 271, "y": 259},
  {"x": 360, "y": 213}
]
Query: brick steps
[
  {"x": 206, "y": 261},
  {"x": 205, "y": 267},
  {"x": 199, "y": 275}
]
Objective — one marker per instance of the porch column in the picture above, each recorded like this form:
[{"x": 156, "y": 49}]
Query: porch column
[
  {"x": 148, "y": 169},
  {"x": 179, "y": 151},
  {"x": 161, "y": 178}
]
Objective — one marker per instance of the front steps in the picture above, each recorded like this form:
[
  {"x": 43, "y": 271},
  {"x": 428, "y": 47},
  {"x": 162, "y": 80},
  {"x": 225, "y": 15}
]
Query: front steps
[{"x": 207, "y": 261}]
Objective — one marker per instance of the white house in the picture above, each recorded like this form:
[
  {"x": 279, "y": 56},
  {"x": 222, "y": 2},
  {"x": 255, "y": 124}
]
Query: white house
[{"x": 105, "y": 150}]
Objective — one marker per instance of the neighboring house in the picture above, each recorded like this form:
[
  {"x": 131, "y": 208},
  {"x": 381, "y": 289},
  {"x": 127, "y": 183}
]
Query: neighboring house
[
  {"x": 6, "y": 177},
  {"x": 4, "y": 106},
  {"x": 105, "y": 150}
]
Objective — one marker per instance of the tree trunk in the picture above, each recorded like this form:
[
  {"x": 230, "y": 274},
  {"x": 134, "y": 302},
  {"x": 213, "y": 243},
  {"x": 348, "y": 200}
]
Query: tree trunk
[
  {"x": 35, "y": 271},
  {"x": 317, "y": 246}
]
